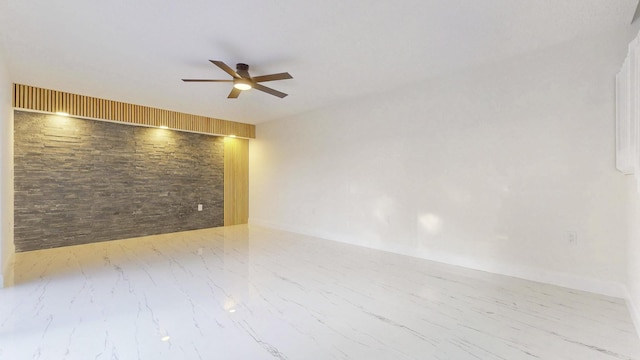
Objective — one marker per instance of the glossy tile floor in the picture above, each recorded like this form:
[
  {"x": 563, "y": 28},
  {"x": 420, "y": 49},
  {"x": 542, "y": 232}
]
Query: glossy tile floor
[{"x": 248, "y": 292}]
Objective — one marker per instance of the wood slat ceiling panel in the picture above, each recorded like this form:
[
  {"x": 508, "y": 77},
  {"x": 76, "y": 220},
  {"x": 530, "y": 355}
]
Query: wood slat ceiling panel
[{"x": 52, "y": 101}]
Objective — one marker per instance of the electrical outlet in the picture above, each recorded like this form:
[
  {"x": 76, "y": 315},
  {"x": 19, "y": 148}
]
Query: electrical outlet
[
  {"x": 199, "y": 207},
  {"x": 572, "y": 237}
]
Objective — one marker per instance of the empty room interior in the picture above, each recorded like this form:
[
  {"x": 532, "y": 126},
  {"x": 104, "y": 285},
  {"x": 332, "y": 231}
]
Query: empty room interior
[{"x": 436, "y": 179}]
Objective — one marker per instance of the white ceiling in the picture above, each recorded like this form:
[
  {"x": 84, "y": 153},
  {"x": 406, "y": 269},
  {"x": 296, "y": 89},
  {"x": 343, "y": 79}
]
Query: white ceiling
[{"x": 137, "y": 51}]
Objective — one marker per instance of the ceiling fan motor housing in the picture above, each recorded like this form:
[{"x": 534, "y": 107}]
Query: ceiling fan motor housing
[{"x": 243, "y": 70}]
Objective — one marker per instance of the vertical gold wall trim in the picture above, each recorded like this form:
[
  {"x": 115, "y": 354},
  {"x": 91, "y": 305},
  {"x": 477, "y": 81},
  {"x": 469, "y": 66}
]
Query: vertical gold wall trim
[
  {"x": 236, "y": 181},
  {"x": 51, "y": 101}
]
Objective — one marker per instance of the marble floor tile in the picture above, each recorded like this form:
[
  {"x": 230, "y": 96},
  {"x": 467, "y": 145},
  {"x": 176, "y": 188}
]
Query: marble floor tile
[{"x": 248, "y": 292}]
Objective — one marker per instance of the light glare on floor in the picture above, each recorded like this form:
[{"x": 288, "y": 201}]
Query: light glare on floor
[{"x": 166, "y": 338}]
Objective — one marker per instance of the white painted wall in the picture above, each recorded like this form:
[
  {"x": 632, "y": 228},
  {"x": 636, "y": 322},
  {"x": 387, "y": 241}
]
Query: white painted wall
[
  {"x": 6, "y": 160},
  {"x": 6, "y": 175},
  {"x": 633, "y": 253},
  {"x": 488, "y": 169}
]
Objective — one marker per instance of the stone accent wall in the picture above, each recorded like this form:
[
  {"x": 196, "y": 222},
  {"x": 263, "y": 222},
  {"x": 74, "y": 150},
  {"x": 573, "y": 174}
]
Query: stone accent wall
[{"x": 81, "y": 181}]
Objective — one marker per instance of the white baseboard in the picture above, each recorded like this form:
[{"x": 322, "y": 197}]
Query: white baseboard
[
  {"x": 634, "y": 310},
  {"x": 300, "y": 230},
  {"x": 608, "y": 288}
]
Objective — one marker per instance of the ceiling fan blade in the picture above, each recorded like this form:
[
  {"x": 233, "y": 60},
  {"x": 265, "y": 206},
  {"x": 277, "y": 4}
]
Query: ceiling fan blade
[
  {"x": 637, "y": 14},
  {"x": 280, "y": 76},
  {"x": 205, "y": 80},
  {"x": 234, "y": 93},
  {"x": 269, "y": 90},
  {"x": 225, "y": 67}
]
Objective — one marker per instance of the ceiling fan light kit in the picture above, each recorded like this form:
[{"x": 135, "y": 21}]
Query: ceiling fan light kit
[
  {"x": 242, "y": 84},
  {"x": 242, "y": 81}
]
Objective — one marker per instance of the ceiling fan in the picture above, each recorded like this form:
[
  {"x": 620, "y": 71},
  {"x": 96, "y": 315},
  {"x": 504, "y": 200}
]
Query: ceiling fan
[{"x": 243, "y": 81}]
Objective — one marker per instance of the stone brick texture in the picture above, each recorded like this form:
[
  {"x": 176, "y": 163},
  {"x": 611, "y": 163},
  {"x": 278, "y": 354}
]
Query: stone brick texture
[{"x": 81, "y": 181}]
